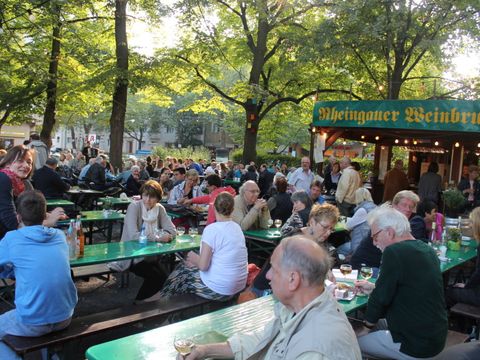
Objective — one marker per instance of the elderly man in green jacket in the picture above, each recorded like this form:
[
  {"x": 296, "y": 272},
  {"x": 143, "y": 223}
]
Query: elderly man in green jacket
[{"x": 406, "y": 308}]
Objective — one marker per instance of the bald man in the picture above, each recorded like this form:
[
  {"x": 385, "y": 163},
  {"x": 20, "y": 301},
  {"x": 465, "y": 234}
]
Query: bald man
[{"x": 308, "y": 323}]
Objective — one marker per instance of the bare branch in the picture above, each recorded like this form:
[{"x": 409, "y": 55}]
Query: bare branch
[
  {"x": 274, "y": 49},
  {"x": 303, "y": 97},
  {"x": 210, "y": 84},
  {"x": 370, "y": 72},
  {"x": 89, "y": 18}
]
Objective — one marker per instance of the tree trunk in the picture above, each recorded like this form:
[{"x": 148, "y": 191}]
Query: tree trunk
[
  {"x": 49, "y": 114},
  {"x": 249, "y": 146},
  {"x": 72, "y": 134},
  {"x": 117, "y": 119}
]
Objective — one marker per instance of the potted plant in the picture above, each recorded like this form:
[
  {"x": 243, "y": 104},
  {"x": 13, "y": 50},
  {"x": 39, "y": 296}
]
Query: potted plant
[{"x": 454, "y": 203}]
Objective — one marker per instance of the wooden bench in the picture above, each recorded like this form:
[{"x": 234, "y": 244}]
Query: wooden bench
[
  {"x": 453, "y": 337},
  {"x": 96, "y": 324},
  {"x": 468, "y": 311}
]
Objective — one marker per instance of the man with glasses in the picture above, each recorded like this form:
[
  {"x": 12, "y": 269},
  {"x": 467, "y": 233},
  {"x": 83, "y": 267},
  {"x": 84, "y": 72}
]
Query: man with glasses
[
  {"x": 406, "y": 202},
  {"x": 406, "y": 308},
  {"x": 250, "y": 212}
]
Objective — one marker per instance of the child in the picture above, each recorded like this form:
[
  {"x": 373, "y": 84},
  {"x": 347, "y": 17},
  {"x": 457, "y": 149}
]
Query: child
[{"x": 37, "y": 257}]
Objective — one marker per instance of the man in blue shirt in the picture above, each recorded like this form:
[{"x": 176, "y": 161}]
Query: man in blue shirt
[{"x": 37, "y": 257}]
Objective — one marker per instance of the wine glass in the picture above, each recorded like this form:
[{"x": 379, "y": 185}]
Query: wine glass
[
  {"x": 270, "y": 223},
  {"x": 183, "y": 345},
  {"x": 158, "y": 235},
  {"x": 366, "y": 272},
  {"x": 193, "y": 231},
  {"x": 180, "y": 230},
  {"x": 345, "y": 269}
]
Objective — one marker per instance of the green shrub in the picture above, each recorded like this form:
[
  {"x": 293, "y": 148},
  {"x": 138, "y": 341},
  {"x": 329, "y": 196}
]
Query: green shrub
[
  {"x": 366, "y": 166},
  {"x": 182, "y": 153}
]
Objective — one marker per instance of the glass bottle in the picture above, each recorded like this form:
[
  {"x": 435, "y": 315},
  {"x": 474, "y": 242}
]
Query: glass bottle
[
  {"x": 80, "y": 237},
  {"x": 143, "y": 238}
]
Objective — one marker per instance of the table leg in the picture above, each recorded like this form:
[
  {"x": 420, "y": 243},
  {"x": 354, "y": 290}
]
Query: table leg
[{"x": 109, "y": 231}]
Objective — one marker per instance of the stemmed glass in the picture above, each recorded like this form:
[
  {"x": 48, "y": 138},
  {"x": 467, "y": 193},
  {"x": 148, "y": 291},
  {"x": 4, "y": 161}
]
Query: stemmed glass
[
  {"x": 183, "y": 345},
  {"x": 366, "y": 272},
  {"x": 345, "y": 269},
  {"x": 270, "y": 223},
  {"x": 180, "y": 230},
  {"x": 277, "y": 223},
  {"x": 158, "y": 236},
  {"x": 193, "y": 231}
]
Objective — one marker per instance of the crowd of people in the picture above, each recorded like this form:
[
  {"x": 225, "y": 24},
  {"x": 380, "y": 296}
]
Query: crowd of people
[{"x": 406, "y": 315}]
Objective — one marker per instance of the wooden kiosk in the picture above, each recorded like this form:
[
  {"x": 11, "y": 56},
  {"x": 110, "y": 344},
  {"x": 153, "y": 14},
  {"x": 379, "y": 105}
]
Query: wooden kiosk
[{"x": 445, "y": 131}]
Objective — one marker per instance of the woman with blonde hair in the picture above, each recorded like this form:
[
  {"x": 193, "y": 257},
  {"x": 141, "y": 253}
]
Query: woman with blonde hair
[{"x": 469, "y": 292}]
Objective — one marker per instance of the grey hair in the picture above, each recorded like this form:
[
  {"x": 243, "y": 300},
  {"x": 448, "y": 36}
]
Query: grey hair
[
  {"x": 312, "y": 269},
  {"x": 135, "y": 167},
  {"x": 303, "y": 197},
  {"x": 386, "y": 216},
  {"x": 346, "y": 160},
  {"x": 362, "y": 194},
  {"x": 100, "y": 158},
  {"x": 241, "y": 191},
  {"x": 192, "y": 172},
  {"x": 405, "y": 194}
]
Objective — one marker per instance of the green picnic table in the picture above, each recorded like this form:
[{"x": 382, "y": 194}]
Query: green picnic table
[
  {"x": 59, "y": 202},
  {"x": 265, "y": 240},
  {"x": 96, "y": 216},
  {"x": 124, "y": 250},
  {"x": 213, "y": 327},
  {"x": 456, "y": 258}
]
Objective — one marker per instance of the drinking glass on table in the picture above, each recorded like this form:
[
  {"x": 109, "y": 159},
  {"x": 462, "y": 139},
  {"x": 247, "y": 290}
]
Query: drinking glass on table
[
  {"x": 366, "y": 272},
  {"x": 277, "y": 223},
  {"x": 270, "y": 223},
  {"x": 180, "y": 230},
  {"x": 193, "y": 231},
  {"x": 345, "y": 269},
  {"x": 183, "y": 345},
  {"x": 158, "y": 235}
]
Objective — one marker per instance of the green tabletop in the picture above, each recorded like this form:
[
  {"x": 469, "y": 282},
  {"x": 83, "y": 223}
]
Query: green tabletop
[
  {"x": 212, "y": 327},
  {"x": 84, "y": 191},
  {"x": 270, "y": 235},
  {"x": 95, "y": 215},
  {"x": 232, "y": 182},
  {"x": 59, "y": 202},
  {"x": 115, "y": 200},
  {"x": 456, "y": 258},
  {"x": 124, "y": 250}
]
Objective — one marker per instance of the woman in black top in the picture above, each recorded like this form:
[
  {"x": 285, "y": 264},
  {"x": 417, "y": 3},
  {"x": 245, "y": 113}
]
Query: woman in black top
[{"x": 280, "y": 205}]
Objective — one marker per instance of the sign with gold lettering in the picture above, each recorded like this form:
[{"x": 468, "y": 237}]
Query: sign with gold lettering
[{"x": 441, "y": 115}]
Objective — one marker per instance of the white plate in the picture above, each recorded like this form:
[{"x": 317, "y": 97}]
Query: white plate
[{"x": 350, "y": 296}]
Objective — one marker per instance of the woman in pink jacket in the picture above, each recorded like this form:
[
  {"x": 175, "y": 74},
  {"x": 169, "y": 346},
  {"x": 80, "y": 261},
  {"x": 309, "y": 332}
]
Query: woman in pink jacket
[{"x": 214, "y": 186}]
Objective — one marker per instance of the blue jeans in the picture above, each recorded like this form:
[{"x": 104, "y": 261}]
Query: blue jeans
[{"x": 9, "y": 325}]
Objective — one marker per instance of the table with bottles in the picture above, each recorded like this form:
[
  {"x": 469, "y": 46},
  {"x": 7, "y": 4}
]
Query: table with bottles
[
  {"x": 125, "y": 250},
  {"x": 92, "y": 216}
]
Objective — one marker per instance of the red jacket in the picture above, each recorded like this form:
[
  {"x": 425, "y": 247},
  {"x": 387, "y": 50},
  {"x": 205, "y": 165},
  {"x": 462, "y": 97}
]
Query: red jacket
[{"x": 210, "y": 200}]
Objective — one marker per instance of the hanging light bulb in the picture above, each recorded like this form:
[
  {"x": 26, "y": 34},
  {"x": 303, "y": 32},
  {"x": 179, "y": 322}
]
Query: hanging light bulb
[
  {"x": 377, "y": 137},
  {"x": 364, "y": 144},
  {"x": 344, "y": 142},
  {"x": 415, "y": 142},
  {"x": 396, "y": 141},
  {"x": 405, "y": 141},
  {"x": 436, "y": 143},
  {"x": 457, "y": 144},
  {"x": 362, "y": 137}
]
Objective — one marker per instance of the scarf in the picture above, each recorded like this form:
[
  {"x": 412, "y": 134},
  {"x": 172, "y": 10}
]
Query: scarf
[
  {"x": 17, "y": 184},
  {"x": 150, "y": 219}
]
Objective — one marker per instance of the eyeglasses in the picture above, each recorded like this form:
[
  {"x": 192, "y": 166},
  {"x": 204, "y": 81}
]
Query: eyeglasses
[
  {"x": 326, "y": 228},
  {"x": 374, "y": 236}
]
